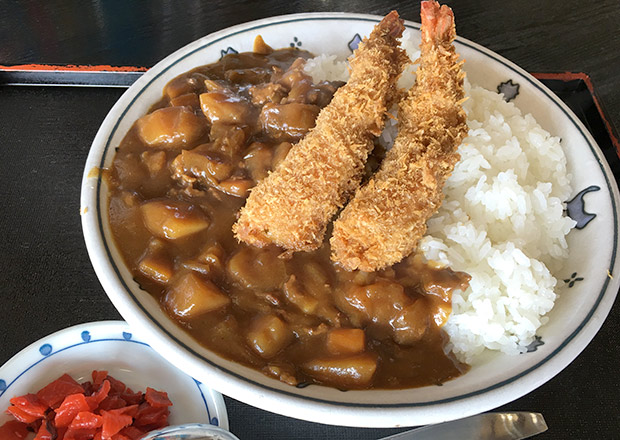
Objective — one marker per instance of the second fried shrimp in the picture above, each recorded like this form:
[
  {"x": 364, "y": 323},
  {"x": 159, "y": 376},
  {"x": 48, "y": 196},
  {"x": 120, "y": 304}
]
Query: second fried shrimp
[
  {"x": 387, "y": 217},
  {"x": 293, "y": 206}
]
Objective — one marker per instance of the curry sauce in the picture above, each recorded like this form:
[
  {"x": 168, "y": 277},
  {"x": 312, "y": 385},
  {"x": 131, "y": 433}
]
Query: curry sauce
[{"x": 178, "y": 180}]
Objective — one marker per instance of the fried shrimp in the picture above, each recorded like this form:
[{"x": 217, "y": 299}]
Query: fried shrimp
[
  {"x": 293, "y": 205},
  {"x": 387, "y": 217}
]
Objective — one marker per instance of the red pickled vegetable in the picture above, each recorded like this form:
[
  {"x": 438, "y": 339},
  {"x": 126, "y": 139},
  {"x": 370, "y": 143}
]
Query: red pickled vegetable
[
  {"x": 99, "y": 376},
  {"x": 30, "y": 404},
  {"x": 116, "y": 385},
  {"x": 86, "y": 420},
  {"x": 13, "y": 430},
  {"x": 132, "y": 398},
  {"x": 131, "y": 410},
  {"x": 132, "y": 432},
  {"x": 79, "y": 434},
  {"x": 112, "y": 402},
  {"x": 21, "y": 415},
  {"x": 71, "y": 406},
  {"x": 157, "y": 398},
  {"x": 60, "y": 433},
  {"x": 89, "y": 388},
  {"x": 150, "y": 418},
  {"x": 54, "y": 393},
  {"x": 113, "y": 422},
  {"x": 98, "y": 396},
  {"x": 104, "y": 409},
  {"x": 43, "y": 433},
  {"x": 34, "y": 426}
]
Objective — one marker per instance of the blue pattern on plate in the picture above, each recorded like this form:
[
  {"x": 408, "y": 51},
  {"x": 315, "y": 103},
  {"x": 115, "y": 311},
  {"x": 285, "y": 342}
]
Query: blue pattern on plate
[
  {"x": 127, "y": 335},
  {"x": 45, "y": 349},
  {"x": 576, "y": 208},
  {"x": 509, "y": 89},
  {"x": 573, "y": 279},
  {"x": 355, "y": 42},
  {"x": 228, "y": 51},
  {"x": 2, "y": 385},
  {"x": 296, "y": 42},
  {"x": 215, "y": 421},
  {"x": 85, "y": 336},
  {"x": 537, "y": 342}
]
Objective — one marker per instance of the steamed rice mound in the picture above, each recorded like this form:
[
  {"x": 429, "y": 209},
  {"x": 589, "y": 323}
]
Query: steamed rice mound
[
  {"x": 503, "y": 223},
  {"x": 502, "y": 220}
]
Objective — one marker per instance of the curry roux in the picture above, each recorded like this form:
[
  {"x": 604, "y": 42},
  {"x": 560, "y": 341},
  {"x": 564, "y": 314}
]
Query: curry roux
[{"x": 178, "y": 179}]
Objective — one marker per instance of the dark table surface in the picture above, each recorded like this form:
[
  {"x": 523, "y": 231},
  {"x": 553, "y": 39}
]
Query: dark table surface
[{"x": 46, "y": 280}]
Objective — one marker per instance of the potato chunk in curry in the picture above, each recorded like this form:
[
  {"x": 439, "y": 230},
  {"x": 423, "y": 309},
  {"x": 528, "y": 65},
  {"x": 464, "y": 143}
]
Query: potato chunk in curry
[
  {"x": 346, "y": 341},
  {"x": 351, "y": 371},
  {"x": 268, "y": 335},
  {"x": 156, "y": 263},
  {"x": 171, "y": 127},
  {"x": 225, "y": 107},
  {"x": 191, "y": 295},
  {"x": 288, "y": 122},
  {"x": 173, "y": 219}
]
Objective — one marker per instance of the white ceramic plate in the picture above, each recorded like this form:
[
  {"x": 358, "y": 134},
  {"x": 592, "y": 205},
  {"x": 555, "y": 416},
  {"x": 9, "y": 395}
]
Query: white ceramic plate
[
  {"x": 112, "y": 346},
  {"x": 587, "y": 288}
]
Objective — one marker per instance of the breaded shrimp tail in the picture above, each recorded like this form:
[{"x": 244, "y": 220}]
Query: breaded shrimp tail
[
  {"x": 293, "y": 205},
  {"x": 387, "y": 217}
]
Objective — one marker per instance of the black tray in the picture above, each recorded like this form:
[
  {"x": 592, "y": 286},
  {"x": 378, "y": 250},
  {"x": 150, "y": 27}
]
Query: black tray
[{"x": 47, "y": 282}]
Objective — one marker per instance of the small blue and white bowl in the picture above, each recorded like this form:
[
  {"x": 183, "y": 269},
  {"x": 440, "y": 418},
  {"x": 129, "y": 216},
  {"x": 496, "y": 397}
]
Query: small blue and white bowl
[{"x": 115, "y": 347}]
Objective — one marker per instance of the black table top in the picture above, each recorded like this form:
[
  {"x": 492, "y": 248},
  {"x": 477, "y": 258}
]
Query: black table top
[{"x": 46, "y": 280}]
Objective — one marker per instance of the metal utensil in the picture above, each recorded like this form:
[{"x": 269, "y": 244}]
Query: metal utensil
[{"x": 489, "y": 426}]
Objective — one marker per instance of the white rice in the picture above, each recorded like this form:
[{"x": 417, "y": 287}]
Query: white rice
[
  {"x": 503, "y": 223},
  {"x": 502, "y": 220}
]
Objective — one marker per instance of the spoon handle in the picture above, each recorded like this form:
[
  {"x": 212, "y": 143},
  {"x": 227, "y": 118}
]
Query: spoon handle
[{"x": 489, "y": 426}]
